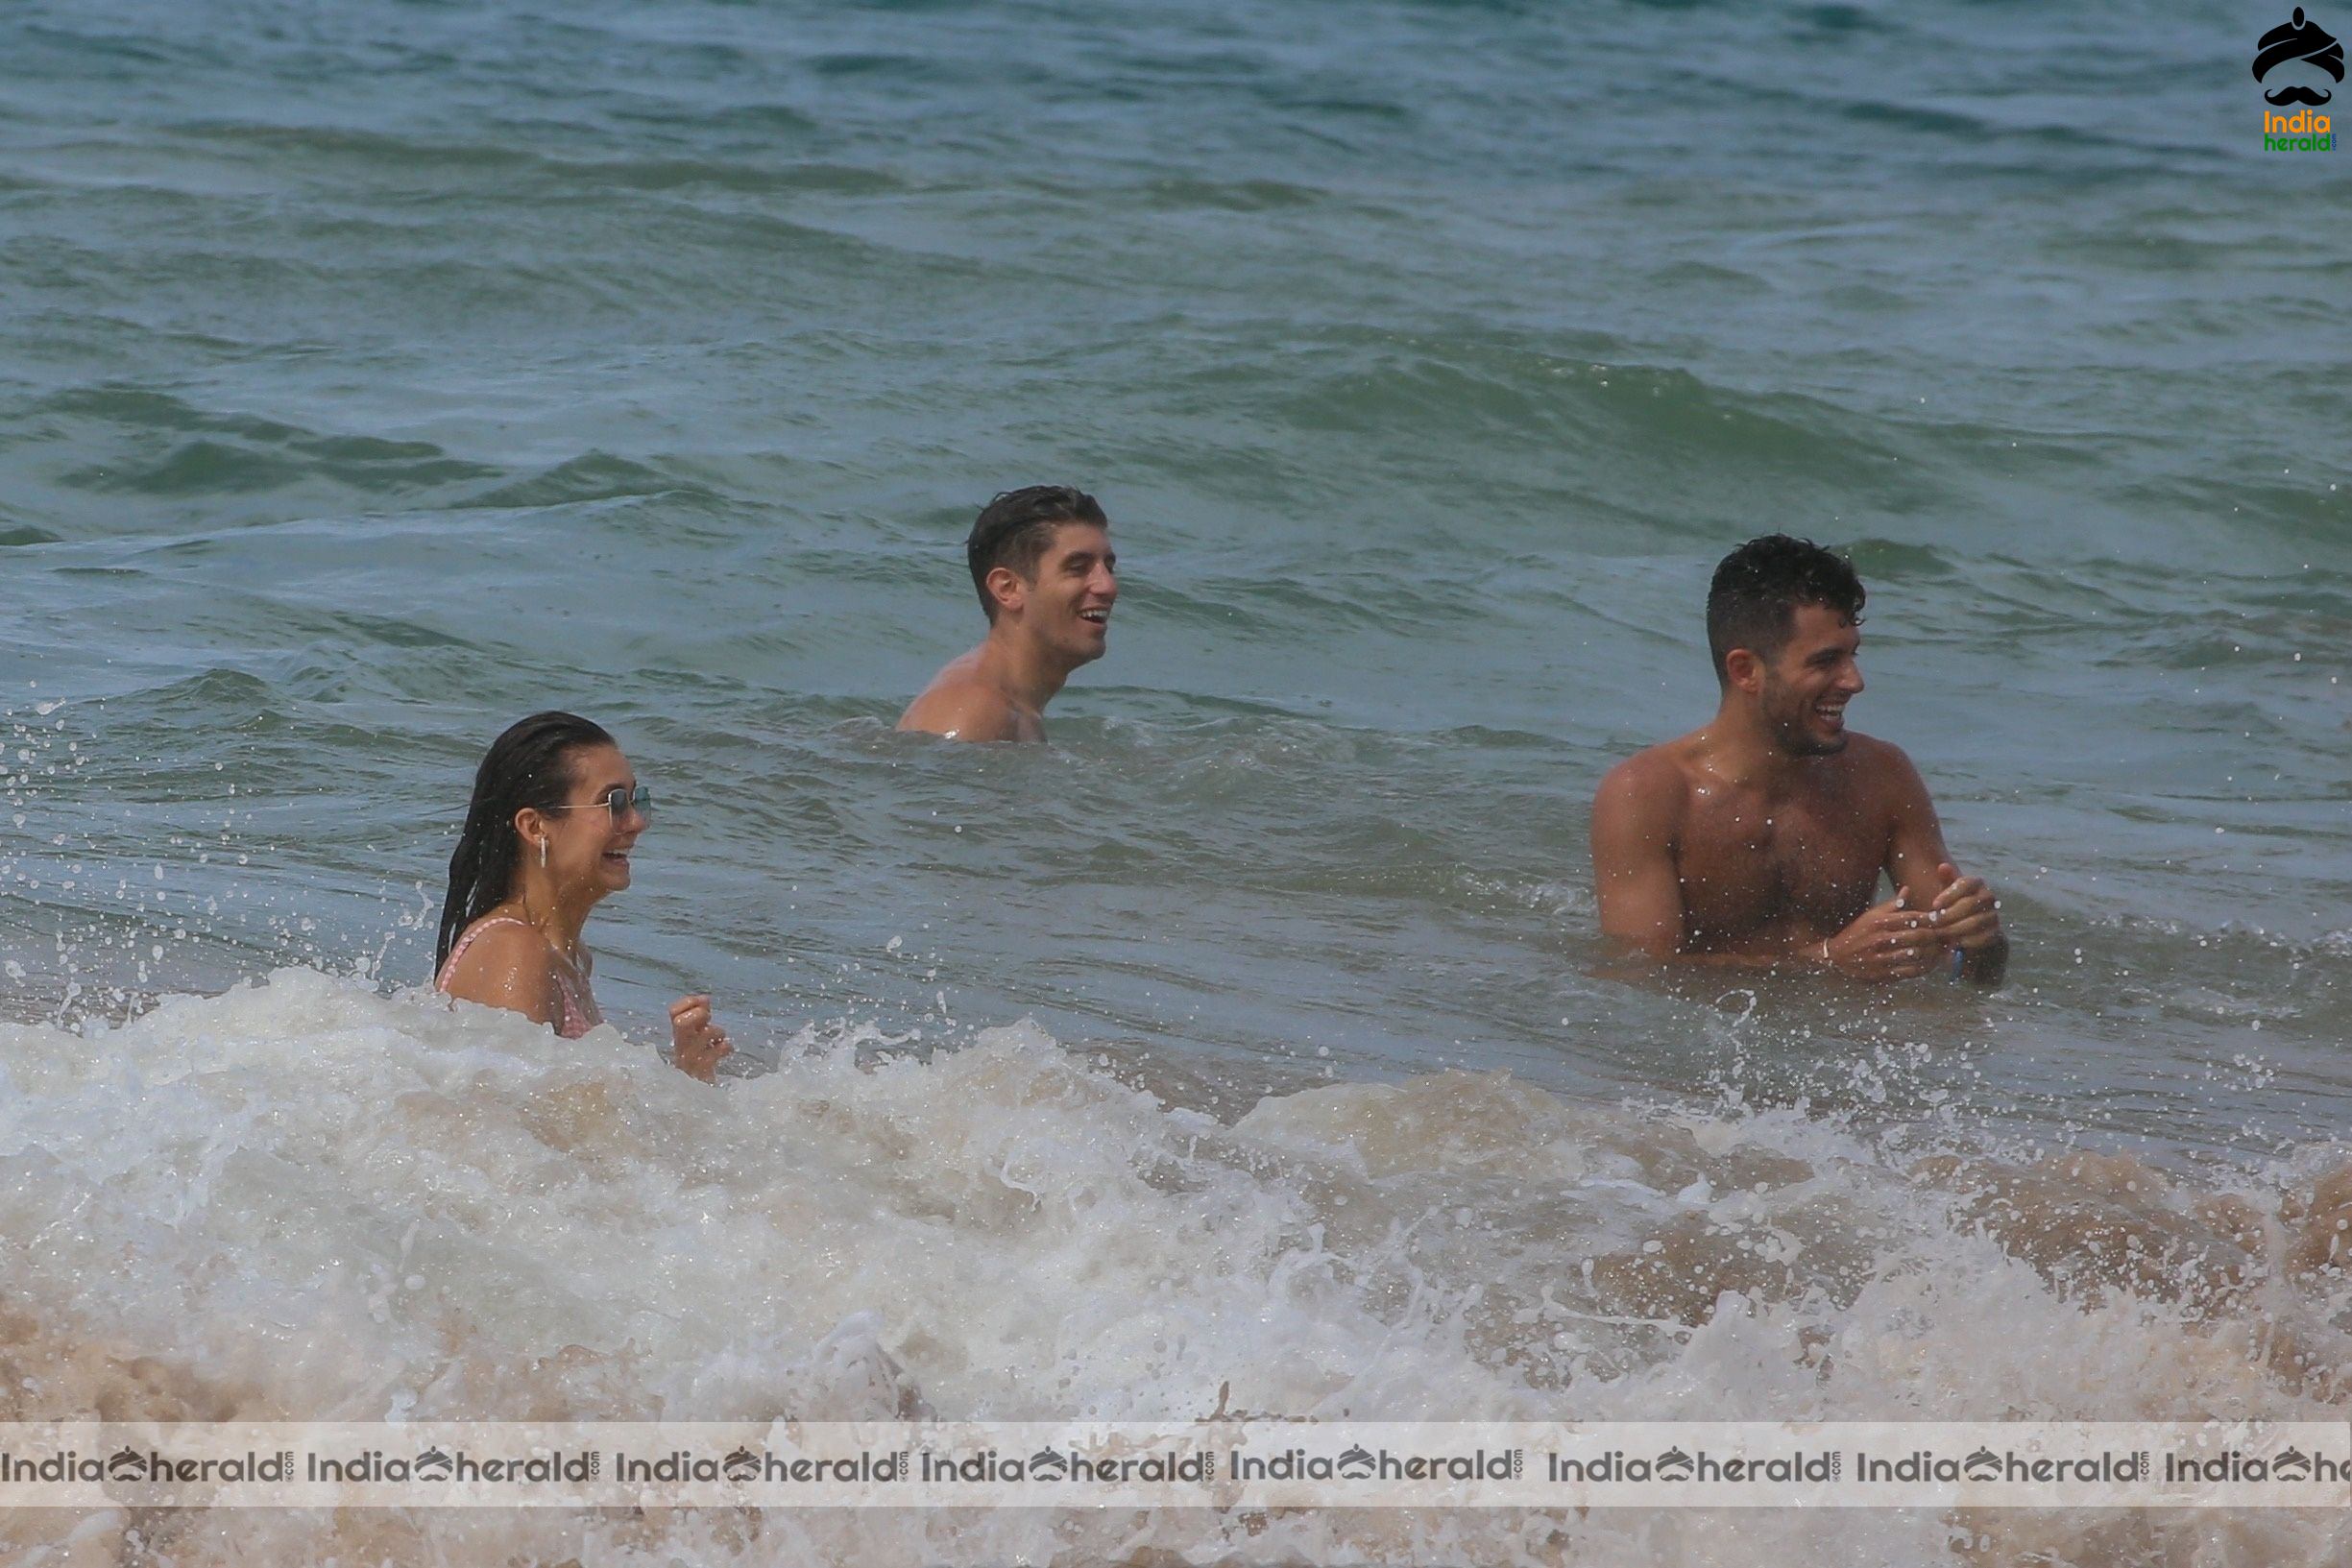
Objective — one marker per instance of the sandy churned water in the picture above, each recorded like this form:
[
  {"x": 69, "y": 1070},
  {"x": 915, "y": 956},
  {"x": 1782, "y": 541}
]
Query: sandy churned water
[{"x": 304, "y": 1201}]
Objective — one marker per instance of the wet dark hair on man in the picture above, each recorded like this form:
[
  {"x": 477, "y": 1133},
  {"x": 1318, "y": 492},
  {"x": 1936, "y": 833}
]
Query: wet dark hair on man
[
  {"x": 1752, "y": 601},
  {"x": 1015, "y": 529},
  {"x": 529, "y": 765}
]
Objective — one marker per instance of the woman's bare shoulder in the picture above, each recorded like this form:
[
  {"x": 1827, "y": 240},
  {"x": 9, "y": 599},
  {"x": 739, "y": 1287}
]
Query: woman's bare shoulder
[{"x": 504, "y": 963}]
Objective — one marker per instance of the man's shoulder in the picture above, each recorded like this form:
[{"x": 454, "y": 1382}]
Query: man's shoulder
[
  {"x": 1652, "y": 783},
  {"x": 1668, "y": 762},
  {"x": 1883, "y": 775},
  {"x": 1869, "y": 757},
  {"x": 959, "y": 705}
]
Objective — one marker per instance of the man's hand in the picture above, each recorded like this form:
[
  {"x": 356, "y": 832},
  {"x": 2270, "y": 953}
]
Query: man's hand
[
  {"x": 1965, "y": 913},
  {"x": 697, "y": 1045},
  {"x": 1892, "y": 942},
  {"x": 1968, "y": 919}
]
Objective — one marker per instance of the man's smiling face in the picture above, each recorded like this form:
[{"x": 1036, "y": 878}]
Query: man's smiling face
[
  {"x": 1809, "y": 681},
  {"x": 1069, "y": 598}
]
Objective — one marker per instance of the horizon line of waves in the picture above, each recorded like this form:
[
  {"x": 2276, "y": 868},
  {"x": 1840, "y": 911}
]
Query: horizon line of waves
[
  {"x": 1489, "y": 390},
  {"x": 2103, "y": 598},
  {"x": 2307, "y": 512},
  {"x": 1259, "y": 194},
  {"x": 522, "y": 266},
  {"x": 277, "y": 707},
  {"x": 591, "y": 477},
  {"x": 228, "y": 451},
  {"x": 1951, "y": 124},
  {"x": 1964, "y": 120},
  {"x": 601, "y": 161},
  {"x": 1278, "y": 607},
  {"x": 165, "y": 446}
]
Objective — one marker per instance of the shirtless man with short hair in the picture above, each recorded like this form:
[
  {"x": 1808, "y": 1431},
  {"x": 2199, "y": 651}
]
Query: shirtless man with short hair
[
  {"x": 1758, "y": 841},
  {"x": 1047, "y": 576}
]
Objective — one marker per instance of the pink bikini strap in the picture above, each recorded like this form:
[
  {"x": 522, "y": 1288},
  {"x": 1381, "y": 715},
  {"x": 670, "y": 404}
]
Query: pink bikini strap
[{"x": 573, "y": 1023}]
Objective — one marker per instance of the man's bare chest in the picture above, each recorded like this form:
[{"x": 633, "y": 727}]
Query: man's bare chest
[{"x": 1750, "y": 866}]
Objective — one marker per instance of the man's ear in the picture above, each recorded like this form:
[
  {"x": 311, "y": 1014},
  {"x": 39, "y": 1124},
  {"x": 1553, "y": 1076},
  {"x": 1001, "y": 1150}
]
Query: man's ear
[
  {"x": 1008, "y": 588},
  {"x": 1744, "y": 668}
]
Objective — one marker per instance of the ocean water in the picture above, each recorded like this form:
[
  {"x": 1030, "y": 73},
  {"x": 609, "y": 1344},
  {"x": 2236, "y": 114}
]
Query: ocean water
[{"x": 373, "y": 374}]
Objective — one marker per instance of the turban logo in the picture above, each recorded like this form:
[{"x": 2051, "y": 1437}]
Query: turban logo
[{"x": 2303, "y": 41}]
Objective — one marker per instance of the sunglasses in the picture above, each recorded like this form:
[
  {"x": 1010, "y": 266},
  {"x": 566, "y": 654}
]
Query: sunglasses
[{"x": 618, "y": 799}]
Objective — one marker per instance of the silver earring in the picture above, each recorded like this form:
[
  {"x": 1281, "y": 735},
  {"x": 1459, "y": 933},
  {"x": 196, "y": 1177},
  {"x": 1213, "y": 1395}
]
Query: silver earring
[{"x": 542, "y": 854}]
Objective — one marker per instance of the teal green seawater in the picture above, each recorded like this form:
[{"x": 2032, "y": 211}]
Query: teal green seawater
[{"x": 371, "y": 375}]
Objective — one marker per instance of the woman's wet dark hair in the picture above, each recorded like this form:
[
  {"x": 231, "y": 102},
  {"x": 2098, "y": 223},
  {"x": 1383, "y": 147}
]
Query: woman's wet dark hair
[{"x": 528, "y": 765}]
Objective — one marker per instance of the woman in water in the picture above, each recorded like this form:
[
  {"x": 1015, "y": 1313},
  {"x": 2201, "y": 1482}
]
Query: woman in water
[{"x": 555, "y": 812}]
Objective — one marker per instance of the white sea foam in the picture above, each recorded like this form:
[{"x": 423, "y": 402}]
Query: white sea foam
[{"x": 301, "y": 1199}]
